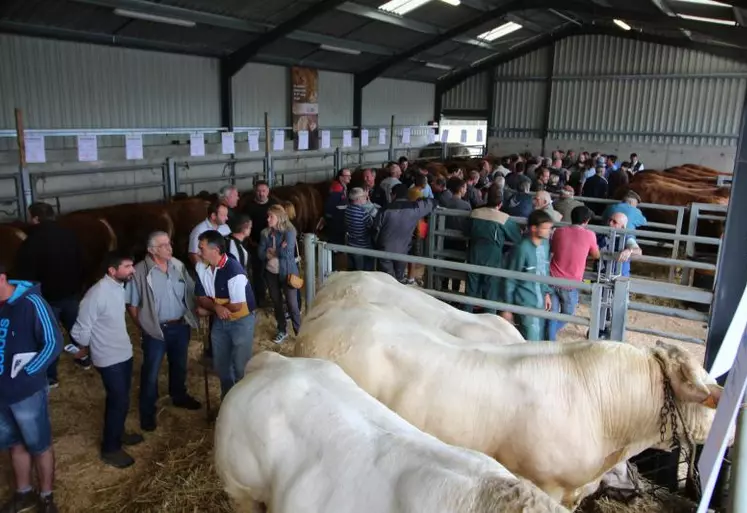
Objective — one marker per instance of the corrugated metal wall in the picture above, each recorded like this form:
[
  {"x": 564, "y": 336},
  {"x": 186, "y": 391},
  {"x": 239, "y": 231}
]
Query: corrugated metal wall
[
  {"x": 73, "y": 85},
  {"x": 260, "y": 88},
  {"x": 411, "y": 102},
  {"x": 472, "y": 94},
  {"x": 335, "y": 99},
  {"x": 521, "y": 95}
]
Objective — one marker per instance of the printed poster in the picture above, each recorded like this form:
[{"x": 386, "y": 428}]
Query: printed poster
[{"x": 305, "y": 105}]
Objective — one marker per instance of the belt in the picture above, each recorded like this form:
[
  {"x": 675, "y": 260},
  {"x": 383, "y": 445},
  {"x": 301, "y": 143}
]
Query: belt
[{"x": 175, "y": 321}]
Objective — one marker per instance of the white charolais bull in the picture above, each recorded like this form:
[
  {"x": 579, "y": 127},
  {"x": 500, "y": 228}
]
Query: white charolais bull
[
  {"x": 560, "y": 415},
  {"x": 377, "y": 288},
  {"x": 297, "y": 434}
]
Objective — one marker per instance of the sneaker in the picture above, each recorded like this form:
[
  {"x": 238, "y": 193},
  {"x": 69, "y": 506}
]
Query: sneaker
[
  {"x": 47, "y": 505},
  {"x": 280, "y": 337},
  {"x": 20, "y": 502},
  {"x": 83, "y": 363},
  {"x": 132, "y": 439},
  {"x": 117, "y": 459},
  {"x": 187, "y": 403},
  {"x": 53, "y": 383}
]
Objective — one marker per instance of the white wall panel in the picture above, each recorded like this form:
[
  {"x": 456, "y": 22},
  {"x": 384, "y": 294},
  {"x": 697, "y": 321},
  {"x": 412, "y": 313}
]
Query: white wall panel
[
  {"x": 335, "y": 99},
  {"x": 260, "y": 88},
  {"x": 75, "y": 85},
  {"x": 411, "y": 102}
]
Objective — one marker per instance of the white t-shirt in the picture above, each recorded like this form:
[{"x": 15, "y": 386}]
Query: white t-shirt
[{"x": 194, "y": 236}]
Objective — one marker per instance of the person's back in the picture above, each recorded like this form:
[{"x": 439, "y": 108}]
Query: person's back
[
  {"x": 358, "y": 224},
  {"x": 636, "y": 219},
  {"x": 520, "y": 205},
  {"x": 396, "y": 222},
  {"x": 564, "y": 206}
]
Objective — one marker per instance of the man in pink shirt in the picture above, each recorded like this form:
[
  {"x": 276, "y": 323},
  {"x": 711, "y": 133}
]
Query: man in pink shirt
[{"x": 570, "y": 247}]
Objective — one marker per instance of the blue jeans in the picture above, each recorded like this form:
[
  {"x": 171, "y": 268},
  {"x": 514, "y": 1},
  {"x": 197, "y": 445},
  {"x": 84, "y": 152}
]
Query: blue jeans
[
  {"x": 563, "y": 301},
  {"x": 117, "y": 380},
  {"x": 232, "y": 349},
  {"x": 27, "y": 423},
  {"x": 175, "y": 345},
  {"x": 66, "y": 312},
  {"x": 361, "y": 263}
]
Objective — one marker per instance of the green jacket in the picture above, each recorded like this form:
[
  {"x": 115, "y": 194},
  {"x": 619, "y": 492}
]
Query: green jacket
[
  {"x": 489, "y": 230},
  {"x": 528, "y": 258}
]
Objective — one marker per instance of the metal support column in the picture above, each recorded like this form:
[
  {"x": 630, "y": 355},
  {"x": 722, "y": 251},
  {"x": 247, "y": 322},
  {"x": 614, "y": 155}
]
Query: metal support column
[
  {"x": 171, "y": 177},
  {"x": 548, "y": 97},
  {"x": 596, "y": 318},
  {"x": 620, "y": 296},
  {"x": 391, "y": 140},
  {"x": 357, "y": 104},
  {"x": 338, "y": 160},
  {"x": 226, "y": 96},
  {"x": 309, "y": 255}
]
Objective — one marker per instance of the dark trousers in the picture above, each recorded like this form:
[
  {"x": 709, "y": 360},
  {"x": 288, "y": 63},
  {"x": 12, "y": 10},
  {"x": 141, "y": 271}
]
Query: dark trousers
[
  {"x": 66, "y": 312},
  {"x": 174, "y": 345},
  {"x": 277, "y": 291},
  {"x": 361, "y": 263},
  {"x": 258, "y": 278},
  {"x": 117, "y": 380}
]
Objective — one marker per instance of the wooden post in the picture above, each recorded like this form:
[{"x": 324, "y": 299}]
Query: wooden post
[
  {"x": 24, "y": 195},
  {"x": 21, "y": 139}
]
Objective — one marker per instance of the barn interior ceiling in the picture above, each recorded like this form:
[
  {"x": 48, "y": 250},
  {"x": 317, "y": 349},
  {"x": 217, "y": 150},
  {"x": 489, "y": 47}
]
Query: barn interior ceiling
[{"x": 441, "y": 41}]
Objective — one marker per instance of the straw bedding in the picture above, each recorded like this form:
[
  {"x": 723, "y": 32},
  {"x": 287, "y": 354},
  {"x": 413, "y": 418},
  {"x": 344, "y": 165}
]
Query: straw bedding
[{"x": 174, "y": 467}]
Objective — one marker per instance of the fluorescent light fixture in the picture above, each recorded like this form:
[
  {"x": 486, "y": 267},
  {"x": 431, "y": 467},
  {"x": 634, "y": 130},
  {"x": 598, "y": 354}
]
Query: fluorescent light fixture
[
  {"x": 339, "y": 49},
  {"x": 455, "y": 3},
  {"x": 501, "y": 31},
  {"x": 706, "y": 2},
  {"x": 153, "y": 17},
  {"x": 402, "y": 7},
  {"x": 435, "y": 65},
  {"x": 621, "y": 24},
  {"x": 708, "y": 20}
]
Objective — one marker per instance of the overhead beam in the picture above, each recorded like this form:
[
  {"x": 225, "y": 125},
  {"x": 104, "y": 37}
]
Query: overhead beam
[
  {"x": 240, "y": 57},
  {"x": 514, "y": 5}
]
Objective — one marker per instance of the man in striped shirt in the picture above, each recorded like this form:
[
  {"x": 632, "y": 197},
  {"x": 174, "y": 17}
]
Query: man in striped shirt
[{"x": 358, "y": 223}]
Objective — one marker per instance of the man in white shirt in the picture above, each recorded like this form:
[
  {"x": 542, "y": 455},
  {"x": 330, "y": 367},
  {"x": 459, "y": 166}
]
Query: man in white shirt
[
  {"x": 217, "y": 217},
  {"x": 101, "y": 330},
  {"x": 241, "y": 227}
]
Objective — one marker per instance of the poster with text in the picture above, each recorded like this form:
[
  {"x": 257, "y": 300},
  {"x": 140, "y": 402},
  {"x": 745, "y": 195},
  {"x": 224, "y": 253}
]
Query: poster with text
[{"x": 305, "y": 104}]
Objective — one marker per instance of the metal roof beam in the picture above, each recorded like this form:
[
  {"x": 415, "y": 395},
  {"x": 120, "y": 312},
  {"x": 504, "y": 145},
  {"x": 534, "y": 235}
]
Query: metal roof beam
[{"x": 243, "y": 55}]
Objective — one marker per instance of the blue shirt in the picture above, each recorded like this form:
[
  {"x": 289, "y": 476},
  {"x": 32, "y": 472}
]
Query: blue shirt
[
  {"x": 603, "y": 241},
  {"x": 635, "y": 217},
  {"x": 226, "y": 283},
  {"x": 358, "y": 223}
]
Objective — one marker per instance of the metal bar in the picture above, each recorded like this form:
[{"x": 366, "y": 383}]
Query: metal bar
[
  {"x": 738, "y": 454},
  {"x": 457, "y": 266},
  {"x": 99, "y": 190},
  {"x": 665, "y": 334},
  {"x": 309, "y": 255},
  {"x": 666, "y": 261},
  {"x": 91, "y": 171},
  {"x": 676, "y": 245},
  {"x": 670, "y": 291},
  {"x": 689, "y": 315},
  {"x": 431, "y": 248},
  {"x": 595, "y": 311},
  {"x": 640, "y": 76},
  {"x": 620, "y": 295},
  {"x": 72, "y": 132},
  {"x": 548, "y": 98}
]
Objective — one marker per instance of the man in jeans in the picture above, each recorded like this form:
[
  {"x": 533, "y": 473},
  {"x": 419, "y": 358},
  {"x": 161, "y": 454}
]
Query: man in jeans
[
  {"x": 160, "y": 299},
  {"x": 223, "y": 291},
  {"x": 570, "y": 247},
  {"x": 101, "y": 329},
  {"x": 30, "y": 341}
]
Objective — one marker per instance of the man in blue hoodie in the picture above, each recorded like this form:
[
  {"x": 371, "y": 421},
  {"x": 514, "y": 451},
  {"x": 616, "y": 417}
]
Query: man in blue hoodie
[{"x": 30, "y": 341}]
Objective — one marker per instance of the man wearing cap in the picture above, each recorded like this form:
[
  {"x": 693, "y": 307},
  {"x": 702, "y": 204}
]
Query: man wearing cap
[
  {"x": 565, "y": 204},
  {"x": 629, "y": 207}
]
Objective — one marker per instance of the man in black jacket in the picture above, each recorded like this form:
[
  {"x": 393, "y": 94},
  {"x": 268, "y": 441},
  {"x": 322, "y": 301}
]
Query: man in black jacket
[{"x": 52, "y": 256}]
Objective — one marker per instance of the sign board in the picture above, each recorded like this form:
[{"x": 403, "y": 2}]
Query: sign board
[{"x": 305, "y": 105}]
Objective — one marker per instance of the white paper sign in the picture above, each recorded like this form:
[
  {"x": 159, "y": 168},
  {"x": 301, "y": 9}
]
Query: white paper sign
[
  {"x": 364, "y": 137},
  {"x": 479, "y": 135},
  {"x": 405, "y": 136},
  {"x": 382, "y": 136},
  {"x": 444, "y": 136},
  {"x": 253, "y": 138},
  {"x": 714, "y": 449},
  {"x": 431, "y": 136},
  {"x": 197, "y": 144},
  {"x": 326, "y": 140},
  {"x": 347, "y": 138},
  {"x": 35, "y": 153},
  {"x": 134, "y": 146},
  {"x": 227, "y": 143},
  {"x": 88, "y": 150},
  {"x": 303, "y": 139},
  {"x": 463, "y": 137},
  {"x": 278, "y": 140}
]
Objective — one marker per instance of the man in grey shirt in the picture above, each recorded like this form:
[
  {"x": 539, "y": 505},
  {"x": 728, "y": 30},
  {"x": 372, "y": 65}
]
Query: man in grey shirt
[
  {"x": 160, "y": 299},
  {"x": 101, "y": 330}
]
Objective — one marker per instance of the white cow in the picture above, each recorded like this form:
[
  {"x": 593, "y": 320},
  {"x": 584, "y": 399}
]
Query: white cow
[
  {"x": 298, "y": 435},
  {"x": 377, "y": 288},
  {"x": 560, "y": 415}
]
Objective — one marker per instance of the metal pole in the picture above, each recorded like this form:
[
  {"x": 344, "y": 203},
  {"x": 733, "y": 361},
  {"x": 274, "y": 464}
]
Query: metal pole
[
  {"x": 676, "y": 244},
  {"x": 430, "y": 247},
  {"x": 738, "y": 456},
  {"x": 620, "y": 296},
  {"x": 171, "y": 176},
  {"x": 391, "y": 140},
  {"x": 595, "y": 311},
  {"x": 23, "y": 171},
  {"x": 309, "y": 253},
  {"x": 338, "y": 160},
  {"x": 269, "y": 174}
]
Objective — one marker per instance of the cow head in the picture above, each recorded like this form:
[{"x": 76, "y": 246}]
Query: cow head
[{"x": 696, "y": 394}]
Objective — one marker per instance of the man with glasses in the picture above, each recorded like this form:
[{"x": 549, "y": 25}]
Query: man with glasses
[{"x": 160, "y": 299}]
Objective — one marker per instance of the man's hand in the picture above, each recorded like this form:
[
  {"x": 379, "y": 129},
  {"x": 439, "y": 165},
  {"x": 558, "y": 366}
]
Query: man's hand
[
  {"x": 202, "y": 312},
  {"x": 222, "y": 312},
  {"x": 624, "y": 255},
  {"x": 548, "y": 302},
  {"x": 508, "y": 316}
]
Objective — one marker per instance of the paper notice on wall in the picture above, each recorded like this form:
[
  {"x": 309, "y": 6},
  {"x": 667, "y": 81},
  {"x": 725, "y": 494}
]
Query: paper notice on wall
[
  {"x": 134, "y": 146},
  {"x": 463, "y": 137},
  {"x": 278, "y": 140},
  {"x": 326, "y": 140},
  {"x": 364, "y": 137},
  {"x": 347, "y": 138},
  {"x": 303, "y": 139},
  {"x": 35, "y": 152},
  {"x": 197, "y": 144},
  {"x": 227, "y": 143},
  {"x": 431, "y": 136},
  {"x": 382, "y": 137},
  {"x": 405, "y": 136},
  {"x": 479, "y": 135},
  {"x": 253, "y": 138},
  {"x": 88, "y": 150},
  {"x": 445, "y": 136}
]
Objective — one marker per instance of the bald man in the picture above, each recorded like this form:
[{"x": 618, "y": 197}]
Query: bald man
[{"x": 619, "y": 221}]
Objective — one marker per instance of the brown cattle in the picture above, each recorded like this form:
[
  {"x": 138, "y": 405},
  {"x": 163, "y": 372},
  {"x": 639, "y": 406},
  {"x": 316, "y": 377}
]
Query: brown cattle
[
  {"x": 96, "y": 238},
  {"x": 11, "y": 238},
  {"x": 185, "y": 214}
]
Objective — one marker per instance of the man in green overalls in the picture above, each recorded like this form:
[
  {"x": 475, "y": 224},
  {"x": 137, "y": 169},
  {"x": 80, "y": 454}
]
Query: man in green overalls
[
  {"x": 489, "y": 229},
  {"x": 531, "y": 255}
]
